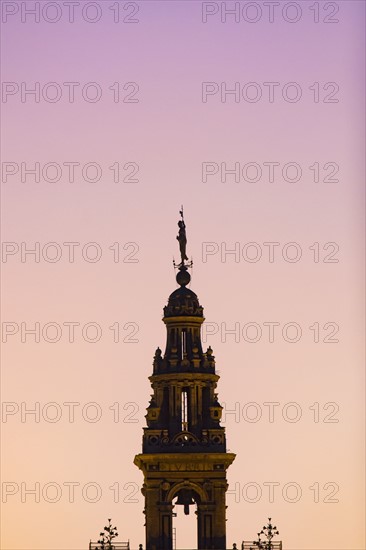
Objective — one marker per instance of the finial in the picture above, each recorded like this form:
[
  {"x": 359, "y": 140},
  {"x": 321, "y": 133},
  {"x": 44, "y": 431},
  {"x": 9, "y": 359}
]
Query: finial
[{"x": 269, "y": 532}]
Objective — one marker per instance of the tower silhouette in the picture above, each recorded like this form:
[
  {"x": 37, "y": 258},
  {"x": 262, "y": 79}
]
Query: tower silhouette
[{"x": 184, "y": 447}]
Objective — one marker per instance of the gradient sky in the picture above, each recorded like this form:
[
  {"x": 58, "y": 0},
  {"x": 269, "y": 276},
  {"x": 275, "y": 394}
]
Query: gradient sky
[{"x": 169, "y": 133}]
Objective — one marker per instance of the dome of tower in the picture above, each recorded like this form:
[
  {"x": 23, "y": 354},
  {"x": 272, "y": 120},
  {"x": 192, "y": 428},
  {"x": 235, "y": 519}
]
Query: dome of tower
[{"x": 183, "y": 301}]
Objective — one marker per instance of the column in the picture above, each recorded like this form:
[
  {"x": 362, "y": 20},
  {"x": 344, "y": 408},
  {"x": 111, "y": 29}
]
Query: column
[{"x": 166, "y": 527}]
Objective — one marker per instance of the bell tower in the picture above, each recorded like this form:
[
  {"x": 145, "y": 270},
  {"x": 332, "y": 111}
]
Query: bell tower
[{"x": 184, "y": 447}]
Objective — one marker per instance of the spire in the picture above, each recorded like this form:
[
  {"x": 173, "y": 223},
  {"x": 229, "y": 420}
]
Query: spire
[{"x": 184, "y": 372}]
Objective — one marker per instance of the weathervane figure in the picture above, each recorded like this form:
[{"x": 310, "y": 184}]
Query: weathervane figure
[{"x": 182, "y": 238}]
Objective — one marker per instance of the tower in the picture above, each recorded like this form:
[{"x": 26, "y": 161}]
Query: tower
[{"x": 184, "y": 447}]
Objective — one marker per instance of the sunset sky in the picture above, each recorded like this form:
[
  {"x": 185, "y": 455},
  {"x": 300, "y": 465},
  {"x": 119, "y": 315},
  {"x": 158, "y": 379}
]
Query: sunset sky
[{"x": 254, "y": 121}]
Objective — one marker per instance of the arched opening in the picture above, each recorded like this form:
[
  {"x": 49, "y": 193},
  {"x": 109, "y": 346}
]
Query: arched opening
[
  {"x": 184, "y": 410},
  {"x": 185, "y": 528},
  {"x": 192, "y": 518}
]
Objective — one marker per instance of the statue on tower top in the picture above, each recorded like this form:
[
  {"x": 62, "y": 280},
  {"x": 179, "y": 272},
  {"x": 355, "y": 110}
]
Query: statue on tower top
[
  {"x": 183, "y": 277},
  {"x": 182, "y": 238}
]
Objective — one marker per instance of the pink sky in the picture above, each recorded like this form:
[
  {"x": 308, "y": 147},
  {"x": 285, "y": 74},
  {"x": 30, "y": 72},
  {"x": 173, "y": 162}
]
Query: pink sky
[{"x": 162, "y": 141}]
